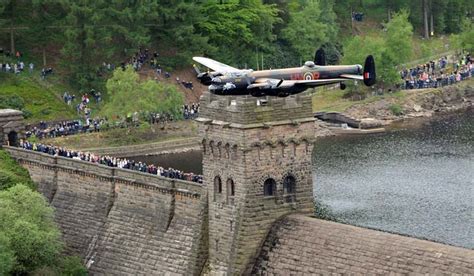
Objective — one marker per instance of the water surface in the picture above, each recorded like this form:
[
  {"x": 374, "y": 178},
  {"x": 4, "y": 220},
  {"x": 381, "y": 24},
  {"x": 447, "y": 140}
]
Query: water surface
[{"x": 417, "y": 182}]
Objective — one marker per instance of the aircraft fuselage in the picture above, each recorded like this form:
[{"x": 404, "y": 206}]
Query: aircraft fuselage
[{"x": 236, "y": 83}]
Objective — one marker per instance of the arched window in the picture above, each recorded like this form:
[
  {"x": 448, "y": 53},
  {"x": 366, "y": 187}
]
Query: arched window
[
  {"x": 289, "y": 185},
  {"x": 269, "y": 187},
  {"x": 217, "y": 187},
  {"x": 230, "y": 191}
]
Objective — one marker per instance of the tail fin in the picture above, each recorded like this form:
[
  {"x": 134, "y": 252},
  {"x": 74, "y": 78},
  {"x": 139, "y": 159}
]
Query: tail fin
[
  {"x": 320, "y": 57},
  {"x": 369, "y": 71}
]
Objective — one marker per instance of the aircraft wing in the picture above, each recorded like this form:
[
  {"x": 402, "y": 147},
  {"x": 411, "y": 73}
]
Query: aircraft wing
[
  {"x": 354, "y": 77},
  {"x": 279, "y": 84},
  {"x": 215, "y": 65}
]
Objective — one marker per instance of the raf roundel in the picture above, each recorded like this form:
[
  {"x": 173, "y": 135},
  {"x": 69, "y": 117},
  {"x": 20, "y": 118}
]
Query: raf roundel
[{"x": 308, "y": 76}]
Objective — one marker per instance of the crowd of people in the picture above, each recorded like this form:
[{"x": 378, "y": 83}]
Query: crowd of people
[
  {"x": 436, "y": 73},
  {"x": 190, "y": 111},
  {"x": 20, "y": 66},
  {"x": 65, "y": 128},
  {"x": 110, "y": 161}
]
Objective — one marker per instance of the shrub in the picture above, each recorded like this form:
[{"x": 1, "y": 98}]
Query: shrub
[
  {"x": 14, "y": 101},
  {"x": 396, "y": 109}
]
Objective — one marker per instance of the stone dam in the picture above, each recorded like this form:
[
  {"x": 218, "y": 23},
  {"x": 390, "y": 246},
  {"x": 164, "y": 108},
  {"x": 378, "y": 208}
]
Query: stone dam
[{"x": 249, "y": 217}]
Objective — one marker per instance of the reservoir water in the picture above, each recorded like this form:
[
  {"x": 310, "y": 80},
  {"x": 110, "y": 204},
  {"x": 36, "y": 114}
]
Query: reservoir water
[
  {"x": 418, "y": 182},
  {"x": 415, "y": 180}
]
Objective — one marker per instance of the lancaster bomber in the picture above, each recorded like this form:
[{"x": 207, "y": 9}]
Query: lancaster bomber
[{"x": 227, "y": 80}]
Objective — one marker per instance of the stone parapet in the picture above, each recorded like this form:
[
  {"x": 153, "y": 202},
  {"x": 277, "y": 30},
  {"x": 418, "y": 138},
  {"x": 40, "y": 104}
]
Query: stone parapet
[{"x": 247, "y": 110}]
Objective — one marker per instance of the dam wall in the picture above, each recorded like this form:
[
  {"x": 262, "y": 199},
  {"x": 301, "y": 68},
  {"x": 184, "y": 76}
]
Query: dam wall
[{"x": 121, "y": 221}]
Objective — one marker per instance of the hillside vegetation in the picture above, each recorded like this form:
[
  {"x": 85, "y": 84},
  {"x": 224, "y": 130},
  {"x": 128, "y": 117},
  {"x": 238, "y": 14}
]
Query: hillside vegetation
[
  {"x": 36, "y": 101},
  {"x": 78, "y": 38}
]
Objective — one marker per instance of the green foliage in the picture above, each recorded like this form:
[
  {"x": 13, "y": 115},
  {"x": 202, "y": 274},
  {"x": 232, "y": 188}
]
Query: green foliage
[
  {"x": 11, "y": 173},
  {"x": 307, "y": 30},
  {"x": 466, "y": 37},
  {"x": 14, "y": 101},
  {"x": 36, "y": 102},
  {"x": 246, "y": 26},
  {"x": 237, "y": 32},
  {"x": 396, "y": 109},
  {"x": 72, "y": 266},
  {"x": 7, "y": 256},
  {"x": 388, "y": 50},
  {"x": 398, "y": 37},
  {"x": 26, "y": 221},
  {"x": 127, "y": 95}
]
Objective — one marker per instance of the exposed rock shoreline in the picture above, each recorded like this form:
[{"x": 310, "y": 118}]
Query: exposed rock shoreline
[{"x": 420, "y": 103}]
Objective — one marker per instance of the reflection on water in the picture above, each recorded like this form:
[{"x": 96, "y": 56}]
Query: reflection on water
[{"x": 418, "y": 182}]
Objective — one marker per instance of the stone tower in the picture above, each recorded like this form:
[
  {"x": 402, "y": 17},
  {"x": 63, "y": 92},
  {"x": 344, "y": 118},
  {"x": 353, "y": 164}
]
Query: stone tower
[{"x": 257, "y": 168}]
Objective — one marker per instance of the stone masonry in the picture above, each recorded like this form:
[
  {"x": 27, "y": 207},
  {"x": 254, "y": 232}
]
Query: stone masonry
[
  {"x": 301, "y": 245},
  {"x": 244, "y": 220},
  {"x": 123, "y": 222},
  {"x": 11, "y": 125},
  {"x": 257, "y": 168}
]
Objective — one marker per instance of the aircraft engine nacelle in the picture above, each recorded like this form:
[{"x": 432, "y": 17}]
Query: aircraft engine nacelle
[{"x": 206, "y": 78}]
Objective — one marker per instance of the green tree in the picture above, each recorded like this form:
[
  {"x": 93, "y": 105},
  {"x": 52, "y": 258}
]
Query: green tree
[
  {"x": 98, "y": 31},
  {"x": 399, "y": 37},
  {"x": 176, "y": 33},
  {"x": 466, "y": 37},
  {"x": 389, "y": 51},
  {"x": 26, "y": 222},
  {"x": 44, "y": 18},
  {"x": 307, "y": 30},
  {"x": 7, "y": 256},
  {"x": 244, "y": 25},
  {"x": 128, "y": 95},
  {"x": 454, "y": 15},
  {"x": 85, "y": 40}
]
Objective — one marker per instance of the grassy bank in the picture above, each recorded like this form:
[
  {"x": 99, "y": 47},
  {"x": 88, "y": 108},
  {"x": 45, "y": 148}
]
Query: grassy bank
[
  {"x": 128, "y": 136},
  {"x": 39, "y": 103},
  {"x": 334, "y": 100}
]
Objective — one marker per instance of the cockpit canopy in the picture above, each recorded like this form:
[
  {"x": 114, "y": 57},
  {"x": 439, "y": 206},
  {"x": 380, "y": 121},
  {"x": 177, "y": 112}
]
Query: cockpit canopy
[{"x": 309, "y": 64}]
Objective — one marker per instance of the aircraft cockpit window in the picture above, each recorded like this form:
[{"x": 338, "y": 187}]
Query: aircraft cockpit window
[{"x": 309, "y": 64}]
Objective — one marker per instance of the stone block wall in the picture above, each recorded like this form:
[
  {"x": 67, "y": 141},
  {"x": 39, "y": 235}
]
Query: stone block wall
[
  {"x": 301, "y": 245},
  {"x": 244, "y": 147},
  {"x": 251, "y": 110},
  {"x": 123, "y": 222},
  {"x": 10, "y": 121}
]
